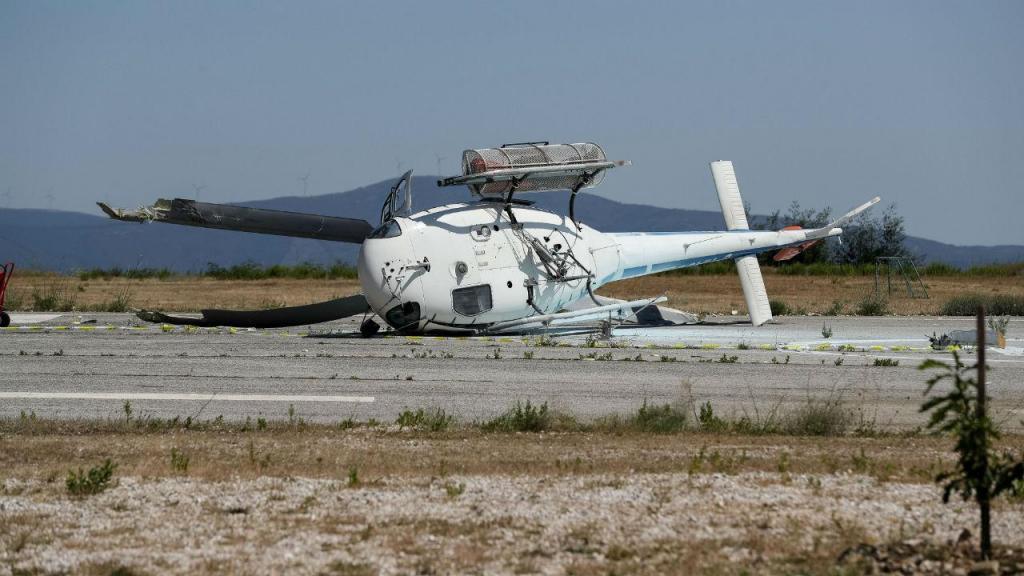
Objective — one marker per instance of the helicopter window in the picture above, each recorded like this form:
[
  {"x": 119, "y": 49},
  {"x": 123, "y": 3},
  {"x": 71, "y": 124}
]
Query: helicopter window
[
  {"x": 389, "y": 229},
  {"x": 403, "y": 316},
  {"x": 472, "y": 300}
]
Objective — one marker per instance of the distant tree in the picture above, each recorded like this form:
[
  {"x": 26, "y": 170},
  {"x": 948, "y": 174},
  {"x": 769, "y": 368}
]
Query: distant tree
[
  {"x": 870, "y": 237},
  {"x": 862, "y": 241}
]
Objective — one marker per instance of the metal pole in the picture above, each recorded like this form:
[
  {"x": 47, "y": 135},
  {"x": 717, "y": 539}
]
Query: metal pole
[{"x": 983, "y": 495}]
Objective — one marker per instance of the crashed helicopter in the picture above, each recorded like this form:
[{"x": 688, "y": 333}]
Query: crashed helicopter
[{"x": 497, "y": 264}]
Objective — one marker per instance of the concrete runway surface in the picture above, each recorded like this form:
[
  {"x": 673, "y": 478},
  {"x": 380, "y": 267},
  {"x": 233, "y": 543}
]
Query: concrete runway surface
[{"x": 78, "y": 366}]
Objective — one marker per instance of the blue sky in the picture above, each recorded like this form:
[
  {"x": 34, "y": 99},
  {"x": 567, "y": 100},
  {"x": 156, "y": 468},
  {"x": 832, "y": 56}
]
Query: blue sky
[{"x": 825, "y": 103}]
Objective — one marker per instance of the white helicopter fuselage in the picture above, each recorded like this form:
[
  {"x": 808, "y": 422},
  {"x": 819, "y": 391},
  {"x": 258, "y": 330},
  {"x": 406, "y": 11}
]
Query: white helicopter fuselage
[{"x": 462, "y": 267}]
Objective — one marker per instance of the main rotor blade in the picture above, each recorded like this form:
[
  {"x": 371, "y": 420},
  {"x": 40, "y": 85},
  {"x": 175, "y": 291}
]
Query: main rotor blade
[
  {"x": 256, "y": 220},
  {"x": 272, "y": 318}
]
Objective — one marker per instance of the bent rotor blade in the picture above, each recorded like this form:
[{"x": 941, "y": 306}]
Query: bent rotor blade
[
  {"x": 256, "y": 220},
  {"x": 273, "y": 318}
]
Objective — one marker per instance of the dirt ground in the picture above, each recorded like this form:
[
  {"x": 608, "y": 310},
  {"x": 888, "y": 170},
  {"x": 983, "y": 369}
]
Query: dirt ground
[
  {"x": 321, "y": 500},
  {"x": 718, "y": 294}
]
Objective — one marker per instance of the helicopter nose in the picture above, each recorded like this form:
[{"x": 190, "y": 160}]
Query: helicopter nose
[
  {"x": 386, "y": 274},
  {"x": 373, "y": 268}
]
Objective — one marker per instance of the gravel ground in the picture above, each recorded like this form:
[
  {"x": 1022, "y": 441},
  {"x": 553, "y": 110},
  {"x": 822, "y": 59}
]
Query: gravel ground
[{"x": 590, "y": 523}]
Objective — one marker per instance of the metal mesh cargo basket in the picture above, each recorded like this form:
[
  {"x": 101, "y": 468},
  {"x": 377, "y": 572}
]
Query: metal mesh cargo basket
[{"x": 531, "y": 155}]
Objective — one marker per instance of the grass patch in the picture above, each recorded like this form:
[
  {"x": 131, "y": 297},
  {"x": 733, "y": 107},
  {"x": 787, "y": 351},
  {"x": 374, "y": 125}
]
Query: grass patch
[
  {"x": 819, "y": 417},
  {"x": 995, "y": 305},
  {"x": 179, "y": 461},
  {"x": 984, "y": 270},
  {"x": 528, "y": 417},
  {"x": 96, "y": 480},
  {"x": 132, "y": 273},
  {"x": 872, "y": 305},
  {"x": 664, "y": 419},
  {"x": 54, "y": 297},
  {"x": 121, "y": 302},
  {"x": 253, "y": 271},
  {"x": 824, "y": 269},
  {"x": 430, "y": 420},
  {"x": 779, "y": 308}
]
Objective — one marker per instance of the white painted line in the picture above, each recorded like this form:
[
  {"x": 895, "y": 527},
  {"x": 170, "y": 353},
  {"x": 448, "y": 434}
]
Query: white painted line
[
  {"x": 30, "y": 318},
  {"x": 203, "y": 397}
]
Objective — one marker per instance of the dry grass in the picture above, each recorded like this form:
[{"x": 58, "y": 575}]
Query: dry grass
[
  {"x": 47, "y": 449},
  {"x": 804, "y": 294},
  {"x": 282, "y": 500},
  {"x": 183, "y": 294},
  {"x": 719, "y": 294}
]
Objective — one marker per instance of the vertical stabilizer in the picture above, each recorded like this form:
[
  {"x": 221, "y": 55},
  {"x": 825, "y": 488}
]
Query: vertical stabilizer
[
  {"x": 753, "y": 290},
  {"x": 729, "y": 195},
  {"x": 736, "y": 219}
]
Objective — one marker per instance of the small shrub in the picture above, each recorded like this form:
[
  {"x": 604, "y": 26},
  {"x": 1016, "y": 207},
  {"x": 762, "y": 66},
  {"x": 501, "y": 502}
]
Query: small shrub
[
  {"x": 873, "y": 305},
  {"x": 435, "y": 420},
  {"x": 886, "y": 362},
  {"x": 743, "y": 346},
  {"x": 826, "y": 331},
  {"x": 179, "y": 461},
  {"x": 122, "y": 302},
  {"x": 838, "y": 361},
  {"x": 454, "y": 490},
  {"x": 96, "y": 480},
  {"x": 836, "y": 309},
  {"x": 980, "y": 473},
  {"x": 819, "y": 417},
  {"x": 665, "y": 419},
  {"x": 528, "y": 354},
  {"x": 353, "y": 477},
  {"x": 521, "y": 417},
  {"x": 709, "y": 421},
  {"x": 54, "y": 297},
  {"x": 998, "y": 325},
  {"x": 779, "y": 308},
  {"x": 728, "y": 359}
]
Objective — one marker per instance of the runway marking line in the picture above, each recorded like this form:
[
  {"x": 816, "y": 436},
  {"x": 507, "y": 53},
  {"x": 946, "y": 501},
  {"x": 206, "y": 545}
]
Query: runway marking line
[{"x": 173, "y": 396}]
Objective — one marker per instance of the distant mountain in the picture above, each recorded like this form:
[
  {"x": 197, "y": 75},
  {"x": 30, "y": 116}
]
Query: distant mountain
[{"x": 67, "y": 241}]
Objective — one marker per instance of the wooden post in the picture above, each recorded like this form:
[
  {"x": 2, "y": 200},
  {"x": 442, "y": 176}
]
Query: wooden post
[{"x": 983, "y": 494}]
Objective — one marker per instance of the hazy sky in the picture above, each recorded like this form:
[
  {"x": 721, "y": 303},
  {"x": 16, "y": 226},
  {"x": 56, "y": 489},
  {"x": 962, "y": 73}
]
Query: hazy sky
[{"x": 827, "y": 103}]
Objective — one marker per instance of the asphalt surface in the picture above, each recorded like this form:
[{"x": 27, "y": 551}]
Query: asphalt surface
[{"x": 86, "y": 366}]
